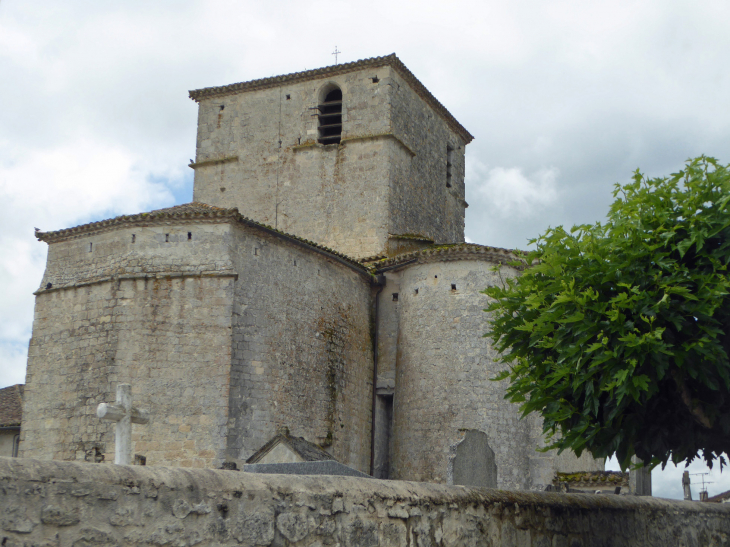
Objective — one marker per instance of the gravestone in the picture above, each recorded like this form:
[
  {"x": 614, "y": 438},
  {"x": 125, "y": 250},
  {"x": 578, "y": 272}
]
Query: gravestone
[{"x": 474, "y": 464}]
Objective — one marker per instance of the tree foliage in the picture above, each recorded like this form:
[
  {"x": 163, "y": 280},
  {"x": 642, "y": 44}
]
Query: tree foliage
[{"x": 618, "y": 334}]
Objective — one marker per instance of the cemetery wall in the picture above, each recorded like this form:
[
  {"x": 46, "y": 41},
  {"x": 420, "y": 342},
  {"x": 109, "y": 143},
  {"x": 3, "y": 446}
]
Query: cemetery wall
[{"x": 68, "y": 503}]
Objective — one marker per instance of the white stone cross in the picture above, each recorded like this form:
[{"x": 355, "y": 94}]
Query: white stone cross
[{"x": 125, "y": 415}]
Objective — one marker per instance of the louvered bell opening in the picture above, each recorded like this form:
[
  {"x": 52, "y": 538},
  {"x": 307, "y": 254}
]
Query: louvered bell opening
[{"x": 330, "y": 118}]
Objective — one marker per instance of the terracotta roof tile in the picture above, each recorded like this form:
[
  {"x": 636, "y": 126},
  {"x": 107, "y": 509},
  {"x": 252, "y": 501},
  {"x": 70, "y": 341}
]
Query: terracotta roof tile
[
  {"x": 309, "y": 452},
  {"x": 187, "y": 211},
  {"x": 448, "y": 252},
  {"x": 333, "y": 70},
  {"x": 11, "y": 405}
]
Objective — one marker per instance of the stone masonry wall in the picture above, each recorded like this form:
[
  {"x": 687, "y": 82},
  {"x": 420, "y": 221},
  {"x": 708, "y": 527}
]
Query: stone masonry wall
[
  {"x": 258, "y": 151},
  {"x": 421, "y": 203},
  {"x": 155, "y": 313},
  {"x": 443, "y": 387},
  {"x": 276, "y": 173},
  {"x": 302, "y": 350},
  {"x": 69, "y": 504}
]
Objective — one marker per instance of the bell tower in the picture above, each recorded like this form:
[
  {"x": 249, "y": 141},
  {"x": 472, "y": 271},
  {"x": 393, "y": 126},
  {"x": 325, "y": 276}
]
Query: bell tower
[{"x": 359, "y": 157}]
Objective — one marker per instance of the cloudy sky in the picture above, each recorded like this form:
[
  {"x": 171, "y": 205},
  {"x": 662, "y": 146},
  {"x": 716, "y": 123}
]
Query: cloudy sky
[{"x": 565, "y": 98}]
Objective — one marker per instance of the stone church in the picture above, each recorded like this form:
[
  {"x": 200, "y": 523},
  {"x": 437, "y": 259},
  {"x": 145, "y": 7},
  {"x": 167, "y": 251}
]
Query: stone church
[{"x": 318, "y": 283}]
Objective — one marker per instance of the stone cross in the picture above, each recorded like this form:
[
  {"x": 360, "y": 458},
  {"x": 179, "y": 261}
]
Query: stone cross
[
  {"x": 336, "y": 53},
  {"x": 122, "y": 412}
]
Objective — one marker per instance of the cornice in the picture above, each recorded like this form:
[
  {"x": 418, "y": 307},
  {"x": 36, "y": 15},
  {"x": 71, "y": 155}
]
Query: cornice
[
  {"x": 192, "y": 213},
  {"x": 334, "y": 70},
  {"x": 448, "y": 253}
]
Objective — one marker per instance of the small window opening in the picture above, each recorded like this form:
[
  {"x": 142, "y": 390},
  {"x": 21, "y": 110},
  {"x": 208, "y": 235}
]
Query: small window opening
[
  {"x": 449, "y": 165},
  {"x": 255, "y": 251},
  {"x": 453, "y": 286},
  {"x": 295, "y": 262},
  {"x": 395, "y": 297},
  {"x": 288, "y": 96},
  {"x": 190, "y": 236},
  {"x": 416, "y": 291},
  {"x": 167, "y": 238},
  {"x": 435, "y": 277},
  {"x": 330, "y": 118},
  {"x": 134, "y": 238},
  {"x": 223, "y": 106},
  {"x": 223, "y": 188},
  {"x": 375, "y": 79},
  {"x": 91, "y": 246},
  {"x": 49, "y": 285}
]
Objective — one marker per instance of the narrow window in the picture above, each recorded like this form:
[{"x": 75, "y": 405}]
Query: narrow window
[
  {"x": 449, "y": 165},
  {"x": 395, "y": 297},
  {"x": 288, "y": 96},
  {"x": 453, "y": 286},
  {"x": 91, "y": 246},
  {"x": 330, "y": 118},
  {"x": 134, "y": 238},
  {"x": 167, "y": 238},
  {"x": 416, "y": 291},
  {"x": 255, "y": 251},
  {"x": 190, "y": 236}
]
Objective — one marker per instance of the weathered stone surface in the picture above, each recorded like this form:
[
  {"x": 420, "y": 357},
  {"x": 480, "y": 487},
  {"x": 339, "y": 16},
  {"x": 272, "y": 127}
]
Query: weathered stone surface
[
  {"x": 293, "y": 526},
  {"x": 474, "y": 463},
  {"x": 225, "y": 332},
  {"x": 258, "y": 151},
  {"x": 253, "y": 509},
  {"x": 443, "y": 369},
  {"x": 59, "y": 516}
]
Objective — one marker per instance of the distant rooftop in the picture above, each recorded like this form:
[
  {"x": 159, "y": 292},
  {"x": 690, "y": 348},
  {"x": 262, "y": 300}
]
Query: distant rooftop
[
  {"x": 309, "y": 452},
  {"x": 11, "y": 405},
  {"x": 333, "y": 70}
]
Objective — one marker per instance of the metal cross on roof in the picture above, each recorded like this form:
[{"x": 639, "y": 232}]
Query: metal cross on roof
[
  {"x": 122, "y": 412},
  {"x": 335, "y": 53}
]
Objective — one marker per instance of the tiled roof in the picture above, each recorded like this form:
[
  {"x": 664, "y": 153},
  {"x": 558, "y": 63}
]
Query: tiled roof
[
  {"x": 333, "y": 70},
  {"x": 720, "y": 498},
  {"x": 309, "y": 452},
  {"x": 445, "y": 253},
  {"x": 11, "y": 405},
  {"x": 199, "y": 212}
]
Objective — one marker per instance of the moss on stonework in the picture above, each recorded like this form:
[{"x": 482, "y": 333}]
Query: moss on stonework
[{"x": 591, "y": 477}]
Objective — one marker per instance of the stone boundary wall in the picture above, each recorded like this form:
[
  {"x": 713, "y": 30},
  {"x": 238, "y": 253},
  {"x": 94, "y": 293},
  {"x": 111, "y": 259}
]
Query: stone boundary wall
[{"x": 51, "y": 503}]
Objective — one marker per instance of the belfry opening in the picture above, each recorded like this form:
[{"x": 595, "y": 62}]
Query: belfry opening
[{"x": 330, "y": 117}]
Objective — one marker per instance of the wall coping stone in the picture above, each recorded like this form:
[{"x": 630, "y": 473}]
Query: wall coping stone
[{"x": 86, "y": 503}]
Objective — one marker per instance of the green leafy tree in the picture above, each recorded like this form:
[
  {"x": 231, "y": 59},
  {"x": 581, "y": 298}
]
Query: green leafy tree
[{"x": 618, "y": 334}]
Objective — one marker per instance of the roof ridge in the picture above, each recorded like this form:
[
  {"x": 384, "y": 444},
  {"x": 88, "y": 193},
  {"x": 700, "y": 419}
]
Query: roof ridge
[
  {"x": 391, "y": 60},
  {"x": 443, "y": 250},
  {"x": 191, "y": 210}
]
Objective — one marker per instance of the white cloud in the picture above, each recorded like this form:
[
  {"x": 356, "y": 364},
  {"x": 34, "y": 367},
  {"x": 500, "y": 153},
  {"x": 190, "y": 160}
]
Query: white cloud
[
  {"x": 507, "y": 191},
  {"x": 667, "y": 482}
]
